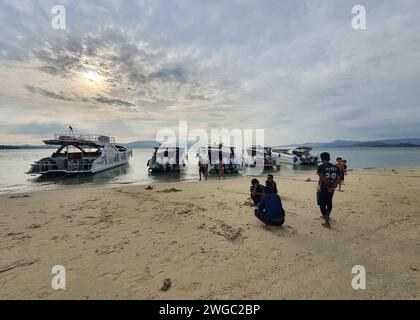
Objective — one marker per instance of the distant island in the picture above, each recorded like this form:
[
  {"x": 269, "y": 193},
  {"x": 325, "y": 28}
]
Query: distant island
[
  {"x": 403, "y": 142},
  {"x": 25, "y": 146},
  {"x": 142, "y": 144},
  {"x": 381, "y": 145}
]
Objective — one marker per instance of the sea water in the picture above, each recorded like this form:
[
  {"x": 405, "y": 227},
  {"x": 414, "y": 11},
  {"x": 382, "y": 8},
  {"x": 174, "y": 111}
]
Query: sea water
[{"x": 14, "y": 164}]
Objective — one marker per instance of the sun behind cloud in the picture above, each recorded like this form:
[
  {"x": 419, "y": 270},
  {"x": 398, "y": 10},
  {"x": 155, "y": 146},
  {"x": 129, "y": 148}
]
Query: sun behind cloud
[{"x": 92, "y": 75}]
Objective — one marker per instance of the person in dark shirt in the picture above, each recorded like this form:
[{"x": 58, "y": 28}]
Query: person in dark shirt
[
  {"x": 329, "y": 177},
  {"x": 270, "y": 210},
  {"x": 202, "y": 169},
  {"x": 340, "y": 165},
  {"x": 256, "y": 190},
  {"x": 344, "y": 171},
  {"x": 270, "y": 185}
]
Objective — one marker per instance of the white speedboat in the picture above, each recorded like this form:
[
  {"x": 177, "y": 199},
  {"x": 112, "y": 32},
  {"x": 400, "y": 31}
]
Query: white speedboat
[
  {"x": 168, "y": 158},
  {"x": 299, "y": 156},
  {"x": 81, "y": 154},
  {"x": 213, "y": 155}
]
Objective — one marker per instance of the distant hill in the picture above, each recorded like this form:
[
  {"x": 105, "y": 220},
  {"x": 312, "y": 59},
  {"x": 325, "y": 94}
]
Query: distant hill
[
  {"x": 404, "y": 142},
  {"x": 142, "y": 144},
  {"x": 381, "y": 144},
  {"x": 25, "y": 146}
]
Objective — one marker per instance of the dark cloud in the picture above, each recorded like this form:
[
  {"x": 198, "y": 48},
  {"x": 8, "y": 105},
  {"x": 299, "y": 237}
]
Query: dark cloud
[
  {"x": 47, "y": 93},
  {"x": 96, "y": 100},
  {"x": 116, "y": 102}
]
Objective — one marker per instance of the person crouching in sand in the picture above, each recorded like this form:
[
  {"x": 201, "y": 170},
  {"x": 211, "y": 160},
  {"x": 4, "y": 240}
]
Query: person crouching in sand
[
  {"x": 271, "y": 185},
  {"x": 329, "y": 178},
  {"x": 270, "y": 210},
  {"x": 256, "y": 190}
]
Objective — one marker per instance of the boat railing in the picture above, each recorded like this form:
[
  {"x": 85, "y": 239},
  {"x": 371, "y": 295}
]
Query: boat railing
[{"x": 95, "y": 138}]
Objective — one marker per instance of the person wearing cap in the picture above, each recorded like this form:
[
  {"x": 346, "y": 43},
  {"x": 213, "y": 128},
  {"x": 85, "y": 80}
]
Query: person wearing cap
[{"x": 329, "y": 178}]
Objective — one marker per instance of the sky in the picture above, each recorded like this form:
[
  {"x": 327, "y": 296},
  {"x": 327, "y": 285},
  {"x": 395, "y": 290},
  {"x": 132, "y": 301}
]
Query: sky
[{"x": 296, "y": 69}]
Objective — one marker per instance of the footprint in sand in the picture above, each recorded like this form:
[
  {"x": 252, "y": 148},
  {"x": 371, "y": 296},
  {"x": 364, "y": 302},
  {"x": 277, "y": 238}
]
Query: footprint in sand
[
  {"x": 108, "y": 249},
  {"x": 19, "y": 196},
  {"x": 184, "y": 212},
  {"x": 282, "y": 231},
  {"x": 170, "y": 190},
  {"x": 228, "y": 232},
  {"x": 34, "y": 226},
  {"x": 18, "y": 236}
]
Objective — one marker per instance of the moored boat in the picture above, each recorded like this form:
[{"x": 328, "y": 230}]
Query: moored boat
[
  {"x": 256, "y": 156},
  {"x": 213, "y": 155},
  {"x": 168, "y": 158},
  {"x": 81, "y": 154},
  {"x": 299, "y": 156}
]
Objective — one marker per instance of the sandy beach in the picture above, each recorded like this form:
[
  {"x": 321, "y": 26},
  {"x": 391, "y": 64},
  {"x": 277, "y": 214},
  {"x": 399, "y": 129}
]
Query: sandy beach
[{"x": 123, "y": 242}]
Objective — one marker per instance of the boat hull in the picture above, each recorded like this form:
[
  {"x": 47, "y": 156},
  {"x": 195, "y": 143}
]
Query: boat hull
[
  {"x": 296, "y": 161},
  {"x": 80, "y": 172}
]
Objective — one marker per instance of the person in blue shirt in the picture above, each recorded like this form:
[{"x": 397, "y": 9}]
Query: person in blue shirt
[
  {"x": 329, "y": 178},
  {"x": 270, "y": 210}
]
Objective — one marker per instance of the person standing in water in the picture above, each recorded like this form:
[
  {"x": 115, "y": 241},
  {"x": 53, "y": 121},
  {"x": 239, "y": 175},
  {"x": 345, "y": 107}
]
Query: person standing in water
[
  {"x": 202, "y": 169},
  {"x": 221, "y": 167},
  {"x": 329, "y": 178}
]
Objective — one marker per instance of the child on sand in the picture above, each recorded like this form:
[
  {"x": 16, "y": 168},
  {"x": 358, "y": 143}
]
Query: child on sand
[
  {"x": 329, "y": 178},
  {"x": 340, "y": 165}
]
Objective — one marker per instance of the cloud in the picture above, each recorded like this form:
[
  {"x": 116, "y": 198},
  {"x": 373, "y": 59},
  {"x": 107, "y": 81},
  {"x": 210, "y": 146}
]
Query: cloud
[
  {"x": 116, "y": 102},
  {"x": 297, "y": 69},
  {"x": 47, "y": 93},
  {"x": 61, "y": 96}
]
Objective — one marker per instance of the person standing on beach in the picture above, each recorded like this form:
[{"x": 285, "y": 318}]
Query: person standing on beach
[
  {"x": 329, "y": 178},
  {"x": 344, "y": 171},
  {"x": 340, "y": 165}
]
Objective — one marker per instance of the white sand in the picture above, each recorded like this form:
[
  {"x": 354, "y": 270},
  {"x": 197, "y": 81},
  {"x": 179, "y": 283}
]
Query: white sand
[{"x": 123, "y": 242}]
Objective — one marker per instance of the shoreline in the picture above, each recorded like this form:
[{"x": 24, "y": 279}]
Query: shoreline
[
  {"x": 86, "y": 185},
  {"x": 122, "y": 242}
]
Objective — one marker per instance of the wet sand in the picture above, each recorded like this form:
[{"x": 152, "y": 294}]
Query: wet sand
[{"x": 123, "y": 242}]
